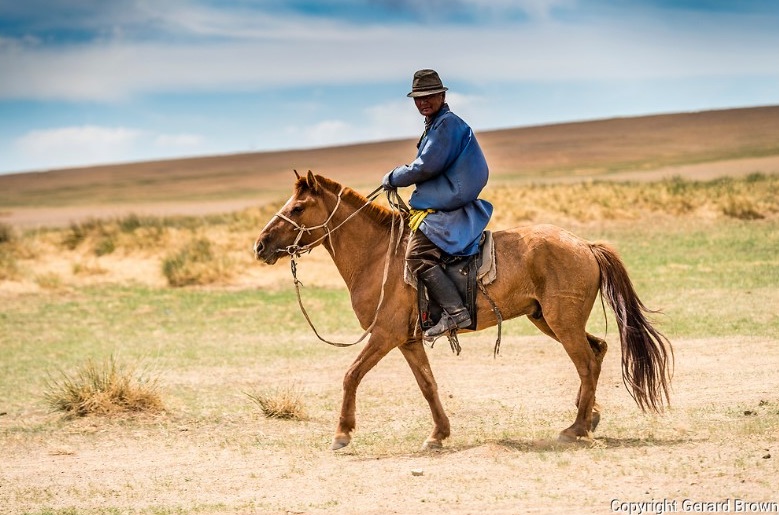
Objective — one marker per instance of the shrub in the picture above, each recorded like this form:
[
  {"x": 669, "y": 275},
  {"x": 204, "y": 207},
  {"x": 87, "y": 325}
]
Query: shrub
[
  {"x": 9, "y": 269},
  {"x": 7, "y": 234},
  {"x": 741, "y": 208},
  {"x": 103, "y": 389},
  {"x": 102, "y": 232},
  {"x": 105, "y": 245},
  {"x": 282, "y": 403},
  {"x": 193, "y": 264},
  {"x": 130, "y": 223},
  {"x": 78, "y": 232}
]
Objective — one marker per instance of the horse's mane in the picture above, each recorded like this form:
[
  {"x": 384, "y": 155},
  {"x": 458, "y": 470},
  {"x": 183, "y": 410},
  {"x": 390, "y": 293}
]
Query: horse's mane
[{"x": 381, "y": 214}]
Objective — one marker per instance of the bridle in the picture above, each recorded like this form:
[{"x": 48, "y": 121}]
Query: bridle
[{"x": 295, "y": 250}]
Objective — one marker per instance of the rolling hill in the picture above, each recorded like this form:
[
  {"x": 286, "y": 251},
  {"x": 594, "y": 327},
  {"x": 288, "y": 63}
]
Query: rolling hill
[{"x": 708, "y": 143}]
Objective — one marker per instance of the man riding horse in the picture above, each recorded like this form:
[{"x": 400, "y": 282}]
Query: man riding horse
[{"x": 447, "y": 217}]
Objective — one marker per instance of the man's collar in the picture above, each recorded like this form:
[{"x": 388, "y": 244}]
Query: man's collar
[{"x": 444, "y": 109}]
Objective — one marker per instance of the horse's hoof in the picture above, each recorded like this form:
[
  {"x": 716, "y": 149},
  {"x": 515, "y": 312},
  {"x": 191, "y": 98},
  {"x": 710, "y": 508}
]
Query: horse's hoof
[
  {"x": 431, "y": 444},
  {"x": 568, "y": 436},
  {"x": 339, "y": 442}
]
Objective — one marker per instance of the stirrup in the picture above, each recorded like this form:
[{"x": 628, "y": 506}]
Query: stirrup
[{"x": 448, "y": 323}]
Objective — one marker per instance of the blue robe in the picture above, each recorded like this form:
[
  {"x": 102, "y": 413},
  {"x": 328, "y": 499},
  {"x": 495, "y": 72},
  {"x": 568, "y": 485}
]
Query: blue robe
[{"x": 449, "y": 173}]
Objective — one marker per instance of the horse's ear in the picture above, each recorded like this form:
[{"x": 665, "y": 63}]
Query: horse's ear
[
  {"x": 297, "y": 175},
  {"x": 311, "y": 181}
]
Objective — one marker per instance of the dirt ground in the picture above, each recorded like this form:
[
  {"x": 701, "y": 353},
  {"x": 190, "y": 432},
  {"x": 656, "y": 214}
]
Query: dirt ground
[{"x": 720, "y": 441}]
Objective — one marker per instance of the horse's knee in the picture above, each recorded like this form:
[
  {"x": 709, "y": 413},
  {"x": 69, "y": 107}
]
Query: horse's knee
[{"x": 351, "y": 380}]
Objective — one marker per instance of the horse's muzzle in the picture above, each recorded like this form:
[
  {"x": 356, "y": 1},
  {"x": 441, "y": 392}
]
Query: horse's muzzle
[{"x": 263, "y": 253}]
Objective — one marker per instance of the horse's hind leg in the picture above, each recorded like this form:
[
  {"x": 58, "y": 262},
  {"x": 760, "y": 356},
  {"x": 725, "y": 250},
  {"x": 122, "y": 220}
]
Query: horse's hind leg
[
  {"x": 561, "y": 321},
  {"x": 598, "y": 347},
  {"x": 416, "y": 357},
  {"x": 578, "y": 349}
]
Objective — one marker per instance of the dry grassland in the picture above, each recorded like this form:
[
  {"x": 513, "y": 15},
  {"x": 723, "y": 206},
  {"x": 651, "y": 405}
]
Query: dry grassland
[{"x": 180, "y": 250}]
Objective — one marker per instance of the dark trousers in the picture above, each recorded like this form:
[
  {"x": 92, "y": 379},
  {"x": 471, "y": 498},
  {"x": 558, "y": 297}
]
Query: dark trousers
[{"x": 422, "y": 254}]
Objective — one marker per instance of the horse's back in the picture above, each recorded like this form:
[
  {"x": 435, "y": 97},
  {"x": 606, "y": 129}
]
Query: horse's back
[
  {"x": 547, "y": 255},
  {"x": 542, "y": 238}
]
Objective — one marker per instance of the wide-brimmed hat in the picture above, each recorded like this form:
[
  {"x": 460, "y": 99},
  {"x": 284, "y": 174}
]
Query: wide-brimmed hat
[{"x": 426, "y": 82}]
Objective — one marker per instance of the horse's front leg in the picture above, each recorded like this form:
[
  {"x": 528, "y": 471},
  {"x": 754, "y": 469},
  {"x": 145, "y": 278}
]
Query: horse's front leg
[
  {"x": 379, "y": 344},
  {"x": 415, "y": 355}
]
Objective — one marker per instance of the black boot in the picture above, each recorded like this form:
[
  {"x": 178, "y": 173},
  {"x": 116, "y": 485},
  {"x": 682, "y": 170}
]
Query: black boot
[{"x": 444, "y": 292}]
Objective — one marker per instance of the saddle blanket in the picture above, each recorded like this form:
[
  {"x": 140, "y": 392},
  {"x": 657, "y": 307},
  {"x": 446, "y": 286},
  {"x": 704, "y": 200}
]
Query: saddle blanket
[{"x": 486, "y": 271}]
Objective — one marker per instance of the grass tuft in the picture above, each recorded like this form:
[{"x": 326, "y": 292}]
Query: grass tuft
[
  {"x": 281, "y": 403},
  {"x": 105, "y": 388}
]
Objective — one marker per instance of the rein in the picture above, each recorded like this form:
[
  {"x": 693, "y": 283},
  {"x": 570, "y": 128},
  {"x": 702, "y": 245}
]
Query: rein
[{"x": 296, "y": 250}]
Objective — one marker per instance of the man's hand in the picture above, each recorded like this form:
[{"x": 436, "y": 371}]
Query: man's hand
[{"x": 386, "y": 182}]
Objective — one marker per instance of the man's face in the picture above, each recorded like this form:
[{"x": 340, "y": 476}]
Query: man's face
[{"x": 430, "y": 104}]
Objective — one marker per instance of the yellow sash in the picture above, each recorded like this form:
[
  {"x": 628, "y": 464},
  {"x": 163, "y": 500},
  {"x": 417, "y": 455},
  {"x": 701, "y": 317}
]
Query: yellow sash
[{"x": 416, "y": 216}]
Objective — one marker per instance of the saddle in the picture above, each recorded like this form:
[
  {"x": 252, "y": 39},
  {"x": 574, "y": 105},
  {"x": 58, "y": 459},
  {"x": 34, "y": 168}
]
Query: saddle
[{"x": 465, "y": 272}]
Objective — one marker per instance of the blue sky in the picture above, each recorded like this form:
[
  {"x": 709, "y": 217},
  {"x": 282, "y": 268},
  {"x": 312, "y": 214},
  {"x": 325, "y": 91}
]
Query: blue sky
[{"x": 93, "y": 81}]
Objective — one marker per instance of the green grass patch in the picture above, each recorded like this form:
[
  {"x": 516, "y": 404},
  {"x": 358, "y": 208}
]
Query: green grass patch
[
  {"x": 178, "y": 330},
  {"x": 708, "y": 278}
]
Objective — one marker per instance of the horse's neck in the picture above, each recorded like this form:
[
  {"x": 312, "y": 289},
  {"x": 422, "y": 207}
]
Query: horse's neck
[{"x": 358, "y": 247}]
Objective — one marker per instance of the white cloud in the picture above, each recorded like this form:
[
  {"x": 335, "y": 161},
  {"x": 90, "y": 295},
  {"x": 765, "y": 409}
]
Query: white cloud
[
  {"x": 70, "y": 146},
  {"x": 90, "y": 144},
  {"x": 328, "y": 132},
  {"x": 178, "y": 141},
  {"x": 396, "y": 119},
  {"x": 533, "y": 8},
  {"x": 400, "y": 118},
  {"x": 392, "y": 120},
  {"x": 251, "y": 51}
]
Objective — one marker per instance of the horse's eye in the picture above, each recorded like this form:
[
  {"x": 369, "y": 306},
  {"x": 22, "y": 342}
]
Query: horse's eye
[{"x": 296, "y": 210}]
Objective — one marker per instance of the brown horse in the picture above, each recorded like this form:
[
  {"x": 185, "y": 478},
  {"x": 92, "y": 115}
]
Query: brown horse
[{"x": 543, "y": 271}]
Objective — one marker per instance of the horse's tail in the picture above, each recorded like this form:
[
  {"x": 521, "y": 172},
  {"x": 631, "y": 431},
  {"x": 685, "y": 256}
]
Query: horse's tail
[{"x": 647, "y": 355}]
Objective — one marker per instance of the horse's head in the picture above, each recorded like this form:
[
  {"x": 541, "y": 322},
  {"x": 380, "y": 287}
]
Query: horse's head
[{"x": 298, "y": 223}]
